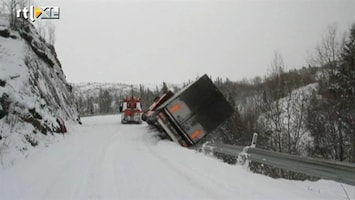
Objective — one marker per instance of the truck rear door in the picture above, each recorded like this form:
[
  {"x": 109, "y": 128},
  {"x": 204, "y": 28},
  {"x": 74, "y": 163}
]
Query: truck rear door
[{"x": 199, "y": 108}]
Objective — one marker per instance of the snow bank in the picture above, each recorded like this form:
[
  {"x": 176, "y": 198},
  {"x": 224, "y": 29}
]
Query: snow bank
[
  {"x": 36, "y": 101},
  {"x": 107, "y": 160}
]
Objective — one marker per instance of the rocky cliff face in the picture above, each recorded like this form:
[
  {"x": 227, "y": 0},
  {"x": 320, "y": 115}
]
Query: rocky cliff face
[{"x": 36, "y": 102}]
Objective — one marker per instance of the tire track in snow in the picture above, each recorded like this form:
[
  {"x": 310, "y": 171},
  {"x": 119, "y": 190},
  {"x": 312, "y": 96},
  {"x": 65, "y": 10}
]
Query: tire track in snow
[
  {"x": 182, "y": 171},
  {"x": 96, "y": 170},
  {"x": 75, "y": 168},
  {"x": 108, "y": 181},
  {"x": 113, "y": 162},
  {"x": 84, "y": 165}
]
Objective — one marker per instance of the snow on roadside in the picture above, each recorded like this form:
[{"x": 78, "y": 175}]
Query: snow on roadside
[
  {"x": 35, "y": 99},
  {"x": 106, "y": 160}
]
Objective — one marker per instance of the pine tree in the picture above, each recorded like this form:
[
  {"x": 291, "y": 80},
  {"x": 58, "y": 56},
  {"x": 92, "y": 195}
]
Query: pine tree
[
  {"x": 90, "y": 109},
  {"x": 164, "y": 89},
  {"x": 340, "y": 96},
  {"x": 105, "y": 102},
  {"x": 344, "y": 88},
  {"x": 346, "y": 75}
]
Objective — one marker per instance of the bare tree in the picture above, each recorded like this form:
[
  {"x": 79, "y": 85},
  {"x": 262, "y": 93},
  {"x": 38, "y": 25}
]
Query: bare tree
[
  {"x": 288, "y": 112},
  {"x": 46, "y": 30},
  {"x": 40, "y": 28},
  {"x": 328, "y": 51},
  {"x": 51, "y": 33},
  {"x": 272, "y": 99},
  {"x": 328, "y": 56},
  {"x": 10, "y": 8}
]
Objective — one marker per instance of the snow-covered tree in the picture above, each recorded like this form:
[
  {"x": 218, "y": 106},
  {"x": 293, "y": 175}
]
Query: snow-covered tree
[{"x": 343, "y": 88}]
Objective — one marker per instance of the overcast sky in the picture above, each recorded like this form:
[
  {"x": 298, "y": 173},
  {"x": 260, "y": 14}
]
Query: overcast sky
[{"x": 174, "y": 41}]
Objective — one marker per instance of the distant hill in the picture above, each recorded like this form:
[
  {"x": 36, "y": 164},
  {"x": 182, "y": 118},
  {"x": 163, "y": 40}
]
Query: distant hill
[
  {"x": 92, "y": 89},
  {"x": 103, "y": 98}
]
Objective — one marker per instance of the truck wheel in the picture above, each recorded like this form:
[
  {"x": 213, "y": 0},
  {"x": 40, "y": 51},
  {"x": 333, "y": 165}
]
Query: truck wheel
[{"x": 144, "y": 117}]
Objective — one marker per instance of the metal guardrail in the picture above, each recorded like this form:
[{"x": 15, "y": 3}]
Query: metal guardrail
[{"x": 325, "y": 169}]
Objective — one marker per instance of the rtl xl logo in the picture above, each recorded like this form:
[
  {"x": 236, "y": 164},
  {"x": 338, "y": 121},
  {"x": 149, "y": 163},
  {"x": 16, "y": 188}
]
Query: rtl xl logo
[{"x": 34, "y": 13}]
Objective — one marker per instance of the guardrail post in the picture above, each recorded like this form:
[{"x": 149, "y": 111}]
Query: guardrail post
[
  {"x": 243, "y": 156},
  {"x": 253, "y": 141}
]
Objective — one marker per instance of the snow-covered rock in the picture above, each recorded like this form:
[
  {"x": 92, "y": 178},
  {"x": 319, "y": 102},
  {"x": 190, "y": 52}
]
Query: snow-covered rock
[{"x": 36, "y": 102}]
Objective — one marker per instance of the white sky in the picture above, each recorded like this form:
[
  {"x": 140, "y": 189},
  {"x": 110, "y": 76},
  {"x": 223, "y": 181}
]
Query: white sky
[{"x": 174, "y": 41}]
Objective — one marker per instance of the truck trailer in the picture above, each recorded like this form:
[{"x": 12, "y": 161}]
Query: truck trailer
[{"x": 193, "y": 112}]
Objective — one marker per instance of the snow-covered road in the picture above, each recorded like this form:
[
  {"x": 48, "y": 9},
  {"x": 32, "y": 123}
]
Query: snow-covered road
[{"x": 104, "y": 159}]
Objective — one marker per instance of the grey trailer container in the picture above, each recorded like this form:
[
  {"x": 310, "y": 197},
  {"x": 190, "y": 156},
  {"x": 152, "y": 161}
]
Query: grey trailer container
[{"x": 194, "y": 112}]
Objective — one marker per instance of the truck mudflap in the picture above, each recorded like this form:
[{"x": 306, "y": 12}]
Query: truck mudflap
[
  {"x": 171, "y": 131},
  {"x": 194, "y": 112}
]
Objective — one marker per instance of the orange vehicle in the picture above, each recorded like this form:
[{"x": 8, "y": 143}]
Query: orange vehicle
[{"x": 131, "y": 109}]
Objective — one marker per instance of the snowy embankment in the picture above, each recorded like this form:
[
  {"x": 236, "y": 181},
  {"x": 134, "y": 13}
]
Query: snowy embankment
[
  {"x": 36, "y": 102},
  {"x": 104, "y": 159}
]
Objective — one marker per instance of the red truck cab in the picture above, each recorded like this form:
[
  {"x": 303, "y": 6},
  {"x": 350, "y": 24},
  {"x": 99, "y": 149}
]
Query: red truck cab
[{"x": 131, "y": 110}]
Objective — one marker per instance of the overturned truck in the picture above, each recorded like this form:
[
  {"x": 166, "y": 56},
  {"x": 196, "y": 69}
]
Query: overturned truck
[{"x": 192, "y": 113}]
